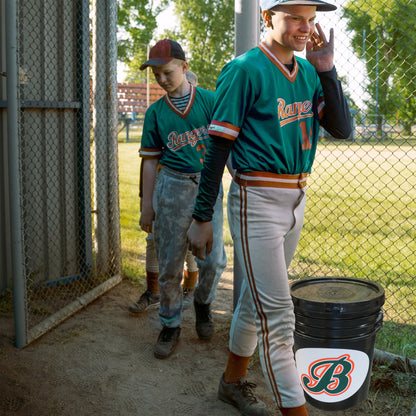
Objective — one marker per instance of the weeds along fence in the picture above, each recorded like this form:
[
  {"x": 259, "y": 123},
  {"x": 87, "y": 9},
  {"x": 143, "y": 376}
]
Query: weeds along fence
[{"x": 60, "y": 232}]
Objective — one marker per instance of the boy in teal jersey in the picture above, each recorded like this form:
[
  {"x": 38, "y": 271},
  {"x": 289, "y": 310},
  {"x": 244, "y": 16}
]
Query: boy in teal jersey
[
  {"x": 190, "y": 274},
  {"x": 175, "y": 135},
  {"x": 268, "y": 108}
]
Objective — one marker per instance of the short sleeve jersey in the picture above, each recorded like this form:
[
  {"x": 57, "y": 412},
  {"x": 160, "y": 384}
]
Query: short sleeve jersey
[
  {"x": 270, "y": 113},
  {"x": 179, "y": 139}
]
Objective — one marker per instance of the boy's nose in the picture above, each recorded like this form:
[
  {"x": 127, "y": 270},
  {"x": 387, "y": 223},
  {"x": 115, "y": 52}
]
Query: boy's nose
[{"x": 306, "y": 27}]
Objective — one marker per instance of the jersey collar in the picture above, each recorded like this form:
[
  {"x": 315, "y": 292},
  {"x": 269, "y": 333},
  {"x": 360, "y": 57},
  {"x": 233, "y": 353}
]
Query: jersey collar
[
  {"x": 188, "y": 107},
  {"x": 291, "y": 76}
]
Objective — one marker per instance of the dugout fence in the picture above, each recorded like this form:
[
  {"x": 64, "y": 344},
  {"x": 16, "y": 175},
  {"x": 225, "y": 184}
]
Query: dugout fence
[
  {"x": 59, "y": 214},
  {"x": 60, "y": 232}
]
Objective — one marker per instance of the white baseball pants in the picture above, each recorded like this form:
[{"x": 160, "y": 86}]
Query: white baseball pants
[{"x": 265, "y": 224}]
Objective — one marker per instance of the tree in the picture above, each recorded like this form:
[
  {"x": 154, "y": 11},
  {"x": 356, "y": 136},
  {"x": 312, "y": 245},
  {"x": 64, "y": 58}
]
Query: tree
[
  {"x": 206, "y": 32},
  {"x": 136, "y": 21},
  {"x": 207, "y": 35},
  {"x": 383, "y": 34}
]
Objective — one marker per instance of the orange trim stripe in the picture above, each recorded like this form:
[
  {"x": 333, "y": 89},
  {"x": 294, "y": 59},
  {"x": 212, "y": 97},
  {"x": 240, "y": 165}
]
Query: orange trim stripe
[
  {"x": 188, "y": 107},
  {"x": 271, "y": 180},
  {"x": 223, "y": 129},
  {"x": 150, "y": 153},
  {"x": 291, "y": 119},
  {"x": 291, "y": 76}
]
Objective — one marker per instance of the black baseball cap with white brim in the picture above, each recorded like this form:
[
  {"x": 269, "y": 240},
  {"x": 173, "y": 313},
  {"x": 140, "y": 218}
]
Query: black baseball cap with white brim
[
  {"x": 321, "y": 6},
  {"x": 163, "y": 52}
]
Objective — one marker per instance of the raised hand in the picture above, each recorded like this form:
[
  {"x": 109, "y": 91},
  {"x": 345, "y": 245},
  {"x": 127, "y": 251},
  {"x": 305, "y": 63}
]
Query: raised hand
[{"x": 319, "y": 51}]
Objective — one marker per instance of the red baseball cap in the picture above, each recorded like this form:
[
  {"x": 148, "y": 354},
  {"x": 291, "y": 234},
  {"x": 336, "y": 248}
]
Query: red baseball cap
[{"x": 163, "y": 52}]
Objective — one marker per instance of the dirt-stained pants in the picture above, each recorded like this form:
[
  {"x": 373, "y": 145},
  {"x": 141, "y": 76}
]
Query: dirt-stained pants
[{"x": 173, "y": 202}]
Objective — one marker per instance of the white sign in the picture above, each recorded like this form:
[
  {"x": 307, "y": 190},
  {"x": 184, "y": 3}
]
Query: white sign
[{"x": 331, "y": 375}]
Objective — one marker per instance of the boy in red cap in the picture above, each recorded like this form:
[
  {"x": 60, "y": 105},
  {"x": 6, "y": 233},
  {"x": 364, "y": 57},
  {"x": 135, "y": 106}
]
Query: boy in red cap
[
  {"x": 190, "y": 274},
  {"x": 175, "y": 136}
]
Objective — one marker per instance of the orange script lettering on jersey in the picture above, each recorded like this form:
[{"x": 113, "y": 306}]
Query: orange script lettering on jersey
[
  {"x": 288, "y": 113},
  {"x": 176, "y": 140}
]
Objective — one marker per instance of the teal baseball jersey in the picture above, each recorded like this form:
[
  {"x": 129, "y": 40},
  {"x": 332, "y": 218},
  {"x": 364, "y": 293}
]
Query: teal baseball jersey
[
  {"x": 272, "y": 114},
  {"x": 179, "y": 139}
]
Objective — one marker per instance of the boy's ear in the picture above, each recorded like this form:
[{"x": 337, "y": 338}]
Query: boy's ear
[
  {"x": 185, "y": 67},
  {"x": 267, "y": 16}
]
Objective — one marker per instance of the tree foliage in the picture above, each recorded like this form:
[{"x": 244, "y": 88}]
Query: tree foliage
[
  {"x": 207, "y": 35},
  {"x": 205, "y": 31},
  {"x": 384, "y": 36},
  {"x": 136, "y": 20}
]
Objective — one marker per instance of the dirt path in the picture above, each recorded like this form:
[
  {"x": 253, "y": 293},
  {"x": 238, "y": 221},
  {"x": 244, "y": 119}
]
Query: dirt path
[{"x": 100, "y": 362}]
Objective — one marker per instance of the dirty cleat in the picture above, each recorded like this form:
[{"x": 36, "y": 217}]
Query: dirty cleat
[
  {"x": 241, "y": 396},
  {"x": 188, "y": 298},
  {"x": 166, "y": 342},
  {"x": 147, "y": 299},
  {"x": 204, "y": 323}
]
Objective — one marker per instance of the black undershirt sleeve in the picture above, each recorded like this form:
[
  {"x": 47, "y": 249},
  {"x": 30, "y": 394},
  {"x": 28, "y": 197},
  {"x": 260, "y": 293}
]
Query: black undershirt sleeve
[
  {"x": 211, "y": 176},
  {"x": 337, "y": 118}
]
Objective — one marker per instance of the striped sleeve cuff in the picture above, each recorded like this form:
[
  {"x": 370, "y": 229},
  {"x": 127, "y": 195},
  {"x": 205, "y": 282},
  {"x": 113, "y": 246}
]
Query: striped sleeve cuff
[
  {"x": 222, "y": 129},
  {"x": 150, "y": 153}
]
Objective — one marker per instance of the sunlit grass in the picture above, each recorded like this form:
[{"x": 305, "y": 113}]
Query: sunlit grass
[
  {"x": 133, "y": 244},
  {"x": 360, "y": 222}
]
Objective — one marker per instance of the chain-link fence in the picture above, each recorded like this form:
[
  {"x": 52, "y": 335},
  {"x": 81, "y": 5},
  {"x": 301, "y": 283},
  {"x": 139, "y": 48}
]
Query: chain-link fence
[
  {"x": 65, "y": 218},
  {"x": 361, "y": 210},
  {"x": 360, "y": 218}
]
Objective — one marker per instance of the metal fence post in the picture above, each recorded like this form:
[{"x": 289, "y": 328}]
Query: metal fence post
[
  {"x": 19, "y": 291},
  {"x": 107, "y": 228}
]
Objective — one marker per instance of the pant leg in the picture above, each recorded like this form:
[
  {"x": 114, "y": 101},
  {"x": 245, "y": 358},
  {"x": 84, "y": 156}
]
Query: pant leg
[
  {"x": 265, "y": 224},
  {"x": 243, "y": 333},
  {"x": 173, "y": 203},
  {"x": 211, "y": 269}
]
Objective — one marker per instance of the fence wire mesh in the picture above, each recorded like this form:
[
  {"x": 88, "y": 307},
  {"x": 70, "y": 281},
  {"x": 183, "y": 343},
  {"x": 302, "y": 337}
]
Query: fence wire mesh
[
  {"x": 360, "y": 216},
  {"x": 68, "y": 159}
]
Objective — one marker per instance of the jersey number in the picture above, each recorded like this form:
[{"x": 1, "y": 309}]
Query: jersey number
[
  {"x": 306, "y": 140},
  {"x": 199, "y": 148}
]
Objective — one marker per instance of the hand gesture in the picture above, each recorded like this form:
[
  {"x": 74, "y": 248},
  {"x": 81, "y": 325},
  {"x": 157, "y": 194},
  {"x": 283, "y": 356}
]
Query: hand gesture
[{"x": 319, "y": 51}]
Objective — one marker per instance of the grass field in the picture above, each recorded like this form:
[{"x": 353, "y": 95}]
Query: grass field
[
  {"x": 360, "y": 222},
  {"x": 132, "y": 237}
]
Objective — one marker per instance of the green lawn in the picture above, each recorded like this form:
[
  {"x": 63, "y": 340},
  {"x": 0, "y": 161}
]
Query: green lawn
[
  {"x": 133, "y": 242},
  {"x": 360, "y": 222}
]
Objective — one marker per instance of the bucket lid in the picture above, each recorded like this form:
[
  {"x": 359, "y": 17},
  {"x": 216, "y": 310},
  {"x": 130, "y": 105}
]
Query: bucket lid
[{"x": 342, "y": 296}]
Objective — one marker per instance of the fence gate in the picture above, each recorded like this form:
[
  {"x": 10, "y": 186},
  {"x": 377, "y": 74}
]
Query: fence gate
[{"x": 62, "y": 175}]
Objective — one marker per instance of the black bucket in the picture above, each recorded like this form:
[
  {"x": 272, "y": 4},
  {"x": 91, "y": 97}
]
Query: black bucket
[{"x": 337, "y": 319}]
